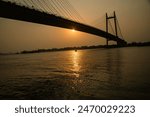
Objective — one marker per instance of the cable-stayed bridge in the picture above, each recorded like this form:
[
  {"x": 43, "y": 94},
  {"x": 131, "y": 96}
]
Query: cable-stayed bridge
[{"x": 58, "y": 13}]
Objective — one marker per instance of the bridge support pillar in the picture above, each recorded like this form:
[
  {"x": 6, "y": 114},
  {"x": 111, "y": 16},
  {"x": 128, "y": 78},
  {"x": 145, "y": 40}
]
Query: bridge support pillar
[{"x": 115, "y": 24}]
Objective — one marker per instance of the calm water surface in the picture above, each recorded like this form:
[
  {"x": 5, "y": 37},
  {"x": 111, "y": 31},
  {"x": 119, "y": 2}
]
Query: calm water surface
[{"x": 121, "y": 73}]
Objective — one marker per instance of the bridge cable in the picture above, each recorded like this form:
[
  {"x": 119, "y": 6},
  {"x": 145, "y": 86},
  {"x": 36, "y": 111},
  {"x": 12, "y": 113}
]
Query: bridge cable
[
  {"x": 43, "y": 6},
  {"x": 50, "y": 7},
  {"x": 69, "y": 11},
  {"x": 119, "y": 29},
  {"x": 77, "y": 16},
  {"x": 112, "y": 29},
  {"x": 66, "y": 10},
  {"x": 56, "y": 12},
  {"x": 74, "y": 18},
  {"x": 25, "y": 3},
  {"x": 49, "y": 10},
  {"x": 57, "y": 7},
  {"x": 35, "y": 5},
  {"x": 99, "y": 22},
  {"x": 73, "y": 10},
  {"x": 29, "y": 4}
]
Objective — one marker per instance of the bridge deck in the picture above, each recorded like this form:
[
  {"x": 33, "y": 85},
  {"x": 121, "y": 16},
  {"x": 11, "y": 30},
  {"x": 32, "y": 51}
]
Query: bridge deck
[{"x": 13, "y": 11}]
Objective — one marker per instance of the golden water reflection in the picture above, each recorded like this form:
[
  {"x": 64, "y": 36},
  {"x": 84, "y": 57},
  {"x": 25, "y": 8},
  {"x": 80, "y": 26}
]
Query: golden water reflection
[{"x": 76, "y": 63}]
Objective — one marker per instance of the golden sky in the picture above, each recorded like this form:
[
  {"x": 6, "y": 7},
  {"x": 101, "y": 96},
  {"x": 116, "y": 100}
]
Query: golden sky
[{"x": 133, "y": 16}]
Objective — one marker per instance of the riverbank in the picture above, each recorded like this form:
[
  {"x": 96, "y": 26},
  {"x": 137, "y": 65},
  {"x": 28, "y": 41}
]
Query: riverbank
[{"x": 133, "y": 44}]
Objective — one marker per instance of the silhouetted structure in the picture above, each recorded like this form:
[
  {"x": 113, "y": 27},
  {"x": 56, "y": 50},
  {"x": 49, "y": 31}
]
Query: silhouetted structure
[
  {"x": 13, "y": 11},
  {"x": 116, "y": 30}
]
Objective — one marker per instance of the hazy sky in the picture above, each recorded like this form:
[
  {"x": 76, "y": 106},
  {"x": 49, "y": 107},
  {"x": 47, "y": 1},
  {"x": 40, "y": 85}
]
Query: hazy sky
[{"x": 133, "y": 16}]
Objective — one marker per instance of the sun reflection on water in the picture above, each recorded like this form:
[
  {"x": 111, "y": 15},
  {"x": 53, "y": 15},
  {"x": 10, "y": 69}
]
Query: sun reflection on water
[{"x": 76, "y": 66}]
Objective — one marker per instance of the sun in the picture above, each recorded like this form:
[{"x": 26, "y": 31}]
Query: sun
[{"x": 73, "y": 30}]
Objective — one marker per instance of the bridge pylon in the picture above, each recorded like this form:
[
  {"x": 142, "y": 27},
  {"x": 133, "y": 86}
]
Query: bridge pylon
[{"x": 116, "y": 29}]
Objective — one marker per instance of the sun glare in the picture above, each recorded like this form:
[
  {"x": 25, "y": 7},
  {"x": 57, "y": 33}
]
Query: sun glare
[{"x": 73, "y": 30}]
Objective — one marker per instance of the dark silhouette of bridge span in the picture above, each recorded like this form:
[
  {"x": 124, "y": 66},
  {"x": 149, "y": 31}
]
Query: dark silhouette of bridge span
[{"x": 13, "y": 11}]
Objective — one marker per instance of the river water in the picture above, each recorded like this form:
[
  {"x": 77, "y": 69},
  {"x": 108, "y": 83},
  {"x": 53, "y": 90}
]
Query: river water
[{"x": 119, "y": 73}]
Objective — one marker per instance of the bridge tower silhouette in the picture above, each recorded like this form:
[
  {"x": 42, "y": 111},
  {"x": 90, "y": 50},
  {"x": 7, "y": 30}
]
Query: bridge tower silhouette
[{"x": 114, "y": 17}]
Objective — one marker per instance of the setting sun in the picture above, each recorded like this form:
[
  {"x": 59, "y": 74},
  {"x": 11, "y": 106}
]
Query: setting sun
[{"x": 73, "y": 30}]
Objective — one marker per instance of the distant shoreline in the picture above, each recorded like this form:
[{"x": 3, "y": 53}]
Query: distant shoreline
[{"x": 133, "y": 44}]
